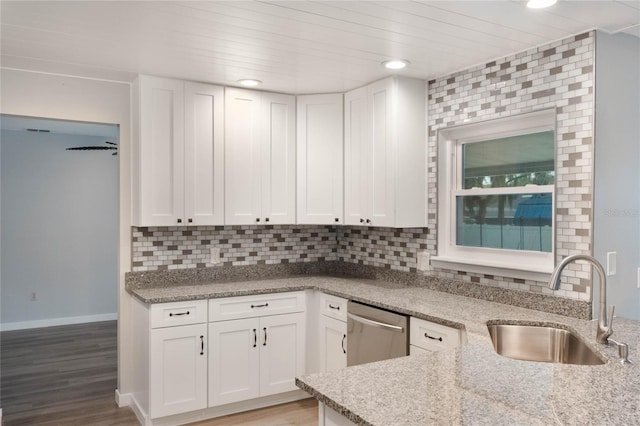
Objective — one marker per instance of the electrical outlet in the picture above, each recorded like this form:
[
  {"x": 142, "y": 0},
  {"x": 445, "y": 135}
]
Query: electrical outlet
[
  {"x": 34, "y": 296},
  {"x": 214, "y": 258},
  {"x": 424, "y": 261},
  {"x": 611, "y": 263}
]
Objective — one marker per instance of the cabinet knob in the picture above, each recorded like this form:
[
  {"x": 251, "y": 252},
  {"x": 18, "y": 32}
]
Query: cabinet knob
[
  {"x": 361, "y": 220},
  {"x": 266, "y": 219},
  {"x": 368, "y": 221},
  {"x": 179, "y": 220},
  {"x": 257, "y": 219},
  {"x": 337, "y": 219},
  {"x": 190, "y": 220}
]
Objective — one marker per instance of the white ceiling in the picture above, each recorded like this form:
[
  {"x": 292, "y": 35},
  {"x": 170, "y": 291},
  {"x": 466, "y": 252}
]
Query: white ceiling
[
  {"x": 65, "y": 127},
  {"x": 294, "y": 47}
]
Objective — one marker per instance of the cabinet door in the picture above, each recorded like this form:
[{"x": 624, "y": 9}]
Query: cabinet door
[
  {"x": 333, "y": 344},
  {"x": 356, "y": 153},
  {"x": 204, "y": 154},
  {"x": 234, "y": 352},
  {"x": 178, "y": 370},
  {"x": 320, "y": 159},
  {"x": 382, "y": 155},
  {"x": 243, "y": 157},
  {"x": 282, "y": 352},
  {"x": 160, "y": 155},
  {"x": 278, "y": 159}
]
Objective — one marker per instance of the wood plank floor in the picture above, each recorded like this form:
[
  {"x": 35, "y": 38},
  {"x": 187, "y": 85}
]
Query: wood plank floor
[{"x": 67, "y": 376}]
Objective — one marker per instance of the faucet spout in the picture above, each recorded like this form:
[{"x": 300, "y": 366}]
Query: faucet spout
[{"x": 604, "y": 321}]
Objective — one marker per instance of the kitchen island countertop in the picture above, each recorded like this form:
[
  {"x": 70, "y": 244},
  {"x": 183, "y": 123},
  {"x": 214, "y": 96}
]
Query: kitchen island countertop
[{"x": 468, "y": 385}]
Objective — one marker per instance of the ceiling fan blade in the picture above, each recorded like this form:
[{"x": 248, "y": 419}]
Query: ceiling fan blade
[{"x": 93, "y": 148}]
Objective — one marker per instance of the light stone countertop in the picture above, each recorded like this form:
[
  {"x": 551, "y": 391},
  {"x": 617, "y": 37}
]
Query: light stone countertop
[{"x": 470, "y": 385}]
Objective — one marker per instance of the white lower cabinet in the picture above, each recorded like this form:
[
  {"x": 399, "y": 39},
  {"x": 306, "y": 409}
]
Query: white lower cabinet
[
  {"x": 333, "y": 344},
  {"x": 427, "y": 336},
  {"x": 256, "y": 357},
  {"x": 177, "y": 371},
  {"x": 329, "y": 417}
]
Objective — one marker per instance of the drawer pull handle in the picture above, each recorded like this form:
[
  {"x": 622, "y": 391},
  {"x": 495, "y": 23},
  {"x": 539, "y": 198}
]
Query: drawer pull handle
[
  {"x": 265, "y": 336},
  {"x": 334, "y": 307},
  {"x": 344, "y": 336},
  {"x": 178, "y": 314},
  {"x": 260, "y": 306},
  {"x": 255, "y": 338},
  {"x": 433, "y": 338},
  {"x": 201, "y": 345}
]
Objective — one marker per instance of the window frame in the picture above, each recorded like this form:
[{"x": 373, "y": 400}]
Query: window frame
[{"x": 525, "y": 264}]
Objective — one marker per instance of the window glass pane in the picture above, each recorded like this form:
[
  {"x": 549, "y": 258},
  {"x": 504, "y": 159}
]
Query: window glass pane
[
  {"x": 507, "y": 162},
  {"x": 513, "y": 221}
]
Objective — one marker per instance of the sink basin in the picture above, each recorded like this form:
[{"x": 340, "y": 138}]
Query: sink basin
[{"x": 543, "y": 344}]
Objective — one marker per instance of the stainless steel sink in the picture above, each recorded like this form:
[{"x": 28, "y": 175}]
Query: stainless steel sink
[{"x": 543, "y": 344}]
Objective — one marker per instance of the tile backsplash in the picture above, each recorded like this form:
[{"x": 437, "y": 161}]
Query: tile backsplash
[
  {"x": 161, "y": 248},
  {"x": 559, "y": 75}
]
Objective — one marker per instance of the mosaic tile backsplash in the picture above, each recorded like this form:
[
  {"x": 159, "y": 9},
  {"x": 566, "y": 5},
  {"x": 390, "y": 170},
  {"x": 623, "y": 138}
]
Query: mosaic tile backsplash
[
  {"x": 162, "y": 248},
  {"x": 560, "y": 76}
]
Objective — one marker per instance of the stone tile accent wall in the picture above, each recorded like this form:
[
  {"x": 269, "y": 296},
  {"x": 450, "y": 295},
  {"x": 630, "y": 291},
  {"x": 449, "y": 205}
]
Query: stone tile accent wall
[
  {"x": 559, "y": 75},
  {"x": 161, "y": 248},
  {"x": 388, "y": 248}
]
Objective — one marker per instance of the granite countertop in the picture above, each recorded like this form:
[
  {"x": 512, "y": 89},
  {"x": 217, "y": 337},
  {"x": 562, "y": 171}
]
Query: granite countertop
[{"x": 468, "y": 385}]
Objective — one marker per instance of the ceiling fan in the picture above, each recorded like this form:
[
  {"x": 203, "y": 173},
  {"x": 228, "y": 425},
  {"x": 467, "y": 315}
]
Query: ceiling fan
[{"x": 114, "y": 147}]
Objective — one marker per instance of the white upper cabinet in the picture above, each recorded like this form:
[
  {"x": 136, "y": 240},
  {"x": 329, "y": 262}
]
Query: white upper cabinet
[
  {"x": 204, "y": 154},
  {"x": 178, "y": 153},
  {"x": 320, "y": 159},
  {"x": 385, "y": 154},
  {"x": 259, "y": 158}
]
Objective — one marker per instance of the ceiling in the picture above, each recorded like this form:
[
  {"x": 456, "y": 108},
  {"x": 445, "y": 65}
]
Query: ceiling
[
  {"x": 49, "y": 125},
  {"x": 293, "y": 47}
]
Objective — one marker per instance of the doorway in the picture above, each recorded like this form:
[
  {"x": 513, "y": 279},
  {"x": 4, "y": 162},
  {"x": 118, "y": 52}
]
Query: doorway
[{"x": 59, "y": 227}]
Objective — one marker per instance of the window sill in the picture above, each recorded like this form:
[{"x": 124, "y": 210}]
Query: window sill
[{"x": 535, "y": 273}]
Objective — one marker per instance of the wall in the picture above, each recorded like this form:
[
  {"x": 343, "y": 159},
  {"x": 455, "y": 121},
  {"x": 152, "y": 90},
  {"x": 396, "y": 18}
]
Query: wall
[
  {"x": 558, "y": 75},
  {"x": 59, "y": 230},
  {"x": 617, "y": 161},
  {"x": 162, "y": 248},
  {"x": 69, "y": 98}
]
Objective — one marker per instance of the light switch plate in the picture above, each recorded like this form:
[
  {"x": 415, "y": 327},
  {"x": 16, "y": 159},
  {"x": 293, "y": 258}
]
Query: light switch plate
[{"x": 611, "y": 263}]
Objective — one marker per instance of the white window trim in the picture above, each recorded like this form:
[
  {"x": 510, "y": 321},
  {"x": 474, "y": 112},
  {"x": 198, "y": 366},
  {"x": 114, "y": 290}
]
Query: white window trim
[{"x": 522, "y": 264}]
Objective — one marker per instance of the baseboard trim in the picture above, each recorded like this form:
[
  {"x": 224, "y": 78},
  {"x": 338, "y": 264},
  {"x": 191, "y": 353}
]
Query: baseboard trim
[
  {"x": 123, "y": 399},
  {"x": 138, "y": 411},
  {"x": 223, "y": 410},
  {"x": 23, "y": 325}
]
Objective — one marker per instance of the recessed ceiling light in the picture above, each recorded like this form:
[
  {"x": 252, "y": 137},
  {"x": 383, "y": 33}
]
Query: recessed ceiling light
[
  {"x": 249, "y": 82},
  {"x": 395, "y": 64},
  {"x": 540, "y": 4}
]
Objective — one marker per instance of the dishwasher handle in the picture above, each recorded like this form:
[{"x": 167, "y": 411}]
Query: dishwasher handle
[{"x": 377, "y": 324}]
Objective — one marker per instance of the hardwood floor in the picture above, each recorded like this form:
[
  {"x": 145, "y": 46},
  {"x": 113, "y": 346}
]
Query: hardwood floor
[
  {"x": 67, "y": 376},
  {"x": 61, "y": 376}
]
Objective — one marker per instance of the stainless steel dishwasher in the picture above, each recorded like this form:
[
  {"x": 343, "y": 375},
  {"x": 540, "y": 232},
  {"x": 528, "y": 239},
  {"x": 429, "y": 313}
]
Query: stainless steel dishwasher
[{"x": 374, "y": 334}]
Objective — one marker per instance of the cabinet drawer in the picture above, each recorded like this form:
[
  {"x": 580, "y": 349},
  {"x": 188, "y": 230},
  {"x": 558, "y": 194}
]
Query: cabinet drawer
[
  {"x": 433, "y": 337},
  {"x": 178, "y": 313},
  {"x": 259, "y": 305},
  {"x": 333, "y": 306}
]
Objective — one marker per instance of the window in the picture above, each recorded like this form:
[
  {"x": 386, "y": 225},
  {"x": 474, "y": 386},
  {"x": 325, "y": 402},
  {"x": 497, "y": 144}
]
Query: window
[{"x": 496, "y": 195}]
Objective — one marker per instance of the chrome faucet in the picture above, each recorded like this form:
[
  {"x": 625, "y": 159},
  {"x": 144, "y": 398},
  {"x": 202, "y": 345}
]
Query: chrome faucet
[{"x": 605, "y": 321}]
